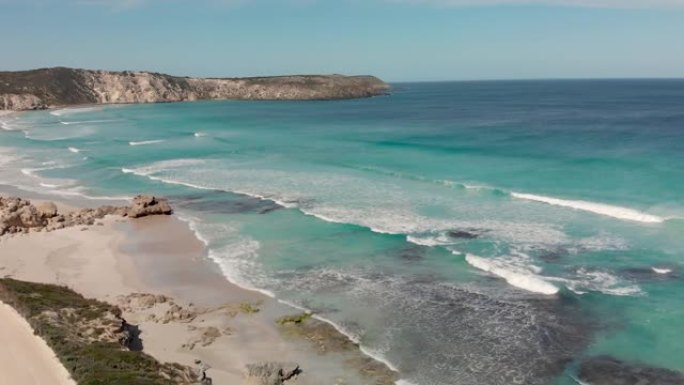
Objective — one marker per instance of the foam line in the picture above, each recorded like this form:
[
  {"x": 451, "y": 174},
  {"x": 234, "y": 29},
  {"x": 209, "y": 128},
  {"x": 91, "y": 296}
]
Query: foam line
[
  {"x": 89, "y": 121},
  {"x": 618, "y": 212}
]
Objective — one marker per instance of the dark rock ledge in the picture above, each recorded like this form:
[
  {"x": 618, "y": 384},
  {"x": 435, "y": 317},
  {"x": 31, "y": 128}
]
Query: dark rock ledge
[{"x": 606, "y": 370}]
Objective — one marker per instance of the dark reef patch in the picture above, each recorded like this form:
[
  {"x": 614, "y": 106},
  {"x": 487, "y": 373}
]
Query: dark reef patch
[
  {"x": 605, "y": 370},
  {"x": 462, "y": 234},
  {"x": 553, "y": 256},
  {"x": 411, "y": 253},
  {"x": 647, "y": 274},
  {"x": 230, "y": 204}
]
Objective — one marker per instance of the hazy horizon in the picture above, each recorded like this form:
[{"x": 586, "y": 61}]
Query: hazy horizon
[{"x": 396, "y": 40}]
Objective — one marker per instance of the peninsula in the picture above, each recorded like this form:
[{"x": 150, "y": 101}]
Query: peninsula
[{"x": 60, "y": 86}]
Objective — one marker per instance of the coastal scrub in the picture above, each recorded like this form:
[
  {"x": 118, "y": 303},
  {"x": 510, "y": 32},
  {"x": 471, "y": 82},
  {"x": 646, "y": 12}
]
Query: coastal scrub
[{"x": 82, "y": 333}]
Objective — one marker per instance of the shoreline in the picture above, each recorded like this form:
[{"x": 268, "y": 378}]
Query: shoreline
[{"x": 231, "y": 326}]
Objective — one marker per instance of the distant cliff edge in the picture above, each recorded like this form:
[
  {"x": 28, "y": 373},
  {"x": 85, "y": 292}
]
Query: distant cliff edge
[{"x": 48, "y": 87}]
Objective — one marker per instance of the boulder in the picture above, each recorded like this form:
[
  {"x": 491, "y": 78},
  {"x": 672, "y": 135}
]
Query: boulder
[
  {"x": 271, "y": 373},
  {"x": 47, "y": 209},
  {"x": 145, "y": 205}
]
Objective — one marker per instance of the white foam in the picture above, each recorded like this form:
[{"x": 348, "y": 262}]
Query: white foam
[
  {"x": 661, "y": 270},
  {"x": 520, "y": 279},
  {"x": 89, "y": 121},
  {"x": 404, "y": 382},
  {"x": 29, "y": 172},
  {"x": 75, "y": 110},
  {"x": 5, "y": 125},
  {"x": 578, "y": 381},
  {"x": 430, "y": 240},
  {"x": 164, "y": 165},
  {"x": 199, "y": 134},
  {"x": 323, "y": 201},
  {"x": 146, "y": 142},
  {"x": 597, "y": 208},
  {"x": 598, "y": 281},
  {"x": 74, "y": 150}
]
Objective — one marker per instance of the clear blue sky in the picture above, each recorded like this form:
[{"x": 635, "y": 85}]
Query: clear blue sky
[{"x": 398, "y": 40}]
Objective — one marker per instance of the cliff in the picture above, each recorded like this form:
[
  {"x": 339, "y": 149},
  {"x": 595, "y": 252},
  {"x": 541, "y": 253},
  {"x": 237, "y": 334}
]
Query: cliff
[{"x": 44, "y": 88}]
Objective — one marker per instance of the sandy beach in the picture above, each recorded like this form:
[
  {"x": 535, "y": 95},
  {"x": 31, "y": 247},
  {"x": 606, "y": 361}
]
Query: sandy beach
[
  {"x": 25, "y": 358},
  {"x": 156, "y": 270}
]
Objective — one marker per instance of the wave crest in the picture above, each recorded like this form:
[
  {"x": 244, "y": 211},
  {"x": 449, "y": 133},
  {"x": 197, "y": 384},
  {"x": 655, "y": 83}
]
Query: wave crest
[
  {"x": 515, "y": 277},
  {"x": 597, "y": 208},
  {"x": 145, "y": 142}
]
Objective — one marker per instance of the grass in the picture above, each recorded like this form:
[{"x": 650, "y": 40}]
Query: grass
[{"x": 65, "y": 320}]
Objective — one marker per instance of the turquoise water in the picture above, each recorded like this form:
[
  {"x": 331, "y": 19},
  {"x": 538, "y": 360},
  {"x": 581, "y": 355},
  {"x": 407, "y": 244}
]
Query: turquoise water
[{"x": 466, "y": 233}]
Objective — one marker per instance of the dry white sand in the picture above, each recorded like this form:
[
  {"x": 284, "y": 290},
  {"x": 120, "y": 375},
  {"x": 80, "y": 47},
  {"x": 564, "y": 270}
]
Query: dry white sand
[{"x": 26, "y": 359}]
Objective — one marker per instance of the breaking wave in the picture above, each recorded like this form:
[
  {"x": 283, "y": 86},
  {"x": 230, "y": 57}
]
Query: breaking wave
[
  {"x": 618, "y": 212},
  {"x": 145, "y": 142},
  {"x": 515, "y": 277}
]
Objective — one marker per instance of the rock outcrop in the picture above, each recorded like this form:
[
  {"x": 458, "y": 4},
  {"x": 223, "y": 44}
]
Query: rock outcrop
[
  {"x": 20, "y": 216},
  {"x": 271, "y": 373},
  {"x": 38, "y": 89},
  {"x": 145, "y": 205},
  {"x": 21, "y": 102}
]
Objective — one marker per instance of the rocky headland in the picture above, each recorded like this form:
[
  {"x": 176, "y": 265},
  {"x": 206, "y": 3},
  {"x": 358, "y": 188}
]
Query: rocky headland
[{"x": 52, "y": 87}]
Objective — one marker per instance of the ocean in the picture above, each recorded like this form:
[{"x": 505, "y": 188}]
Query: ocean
[{"x": 494, "y": 232}]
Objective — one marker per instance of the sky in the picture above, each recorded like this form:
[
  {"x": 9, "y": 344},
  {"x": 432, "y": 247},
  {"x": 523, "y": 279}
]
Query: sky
[{"x": 397, "y": 40}]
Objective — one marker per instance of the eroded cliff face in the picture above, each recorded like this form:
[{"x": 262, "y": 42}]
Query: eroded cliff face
[
  {"x": 20, "y": 102},
  {"x": 64, "y": 86}
]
